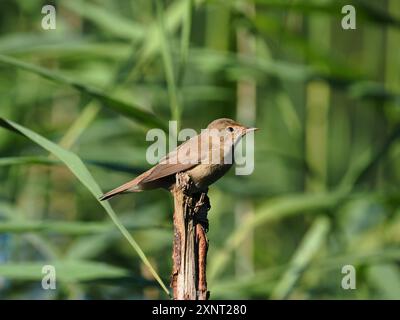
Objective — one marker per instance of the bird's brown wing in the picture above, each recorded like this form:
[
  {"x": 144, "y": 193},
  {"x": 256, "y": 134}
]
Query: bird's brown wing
[
  {"x": 122, "y": 189},
  {"x": 189, "y": 154},
  {"x": 183, "y": 158}
]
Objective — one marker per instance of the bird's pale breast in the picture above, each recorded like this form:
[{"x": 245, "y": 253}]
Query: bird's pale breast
[{"x": 204, "y": 175}]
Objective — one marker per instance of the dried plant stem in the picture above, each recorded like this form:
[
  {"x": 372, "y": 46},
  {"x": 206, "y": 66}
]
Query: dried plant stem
[{"x": 190, "y": 245}]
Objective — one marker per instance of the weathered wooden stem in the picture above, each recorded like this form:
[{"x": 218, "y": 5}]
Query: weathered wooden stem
[{"x": 190, "y": 245}]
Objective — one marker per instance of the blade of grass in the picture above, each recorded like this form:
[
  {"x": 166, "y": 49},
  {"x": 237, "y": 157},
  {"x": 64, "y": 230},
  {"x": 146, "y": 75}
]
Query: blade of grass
[
  {"x": 89, "y": 247},
  {"x": 185, "y": 41},
  {"x": 272, "y": 210},
  {"x": 86, "y": 117},
  {"x": 307, "y": 249},
  {"x": 75, "y": 164},
  {"x": 367, "y": 161},
  {"x": 110, "y": 21},
  {"x": 11, "y": 161},
  {"x": 174, "y": 15},
  {"x": 90, "y": 109},
  {"x": 64, "y": 227},
  {"x": 268, "y": 276},
  {"x": 365, "y": 11},
  {"x": 168, "y": 66},
  {"x": 386, "y": 279},
  {"x": 116, "y": 24},
  {"x": 40, "y": 160},
  {"x": 131, "y": 111},
  {"x": 70, "y": 271}
]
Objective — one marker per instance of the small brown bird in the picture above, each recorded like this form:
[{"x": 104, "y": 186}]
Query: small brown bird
[{"x": 205, "y": 158}]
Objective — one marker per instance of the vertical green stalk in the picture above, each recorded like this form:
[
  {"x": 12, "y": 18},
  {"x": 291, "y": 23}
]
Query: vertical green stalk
[
  {"x": 392, "y": 64},
  {"x": 246, "y": 93},
  {"x": 316, "y": 134},
  {"x": 318, "y": 96},
  {"x": 307, "y": 249},
  {"x": 185, "y": 39},
  {"x": 168, "y": 66},
  {"x": 217, "y": 27}
]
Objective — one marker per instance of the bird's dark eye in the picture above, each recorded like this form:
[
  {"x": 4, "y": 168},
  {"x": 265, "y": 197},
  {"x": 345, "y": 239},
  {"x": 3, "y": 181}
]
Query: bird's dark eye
[{"x": 230, "y": 129}]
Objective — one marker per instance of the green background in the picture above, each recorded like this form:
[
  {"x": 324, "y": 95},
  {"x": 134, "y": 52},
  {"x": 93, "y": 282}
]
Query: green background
[{"x": 325, "y": 190}]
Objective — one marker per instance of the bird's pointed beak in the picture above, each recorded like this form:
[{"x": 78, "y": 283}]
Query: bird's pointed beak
[
  {"x": 251, "y": 129},
  {"x": 247, "y": 130}
]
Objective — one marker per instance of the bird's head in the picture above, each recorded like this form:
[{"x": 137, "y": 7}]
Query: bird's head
[{"x": 230, "y": 128}]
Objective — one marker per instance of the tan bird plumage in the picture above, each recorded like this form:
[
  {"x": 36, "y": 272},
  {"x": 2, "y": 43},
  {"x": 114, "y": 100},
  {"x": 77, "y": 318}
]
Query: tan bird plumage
[{"x": 192, "y": 157}]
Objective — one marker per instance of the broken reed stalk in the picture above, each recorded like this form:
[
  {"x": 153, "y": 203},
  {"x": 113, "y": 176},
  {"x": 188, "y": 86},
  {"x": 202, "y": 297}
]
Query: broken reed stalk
[{"x": 190, "y": 244}]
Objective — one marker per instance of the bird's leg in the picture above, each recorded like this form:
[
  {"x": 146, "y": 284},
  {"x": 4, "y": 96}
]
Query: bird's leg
[{"x": 184, "y": 182}]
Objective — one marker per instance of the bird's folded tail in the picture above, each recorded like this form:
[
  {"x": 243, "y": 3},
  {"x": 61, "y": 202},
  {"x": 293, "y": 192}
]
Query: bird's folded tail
[{"x": 131, "y": 186}]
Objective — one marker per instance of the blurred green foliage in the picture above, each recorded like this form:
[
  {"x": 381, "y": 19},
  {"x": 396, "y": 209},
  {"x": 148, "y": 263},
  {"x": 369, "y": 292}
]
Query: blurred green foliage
[{"x": 324, "y": 192}]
